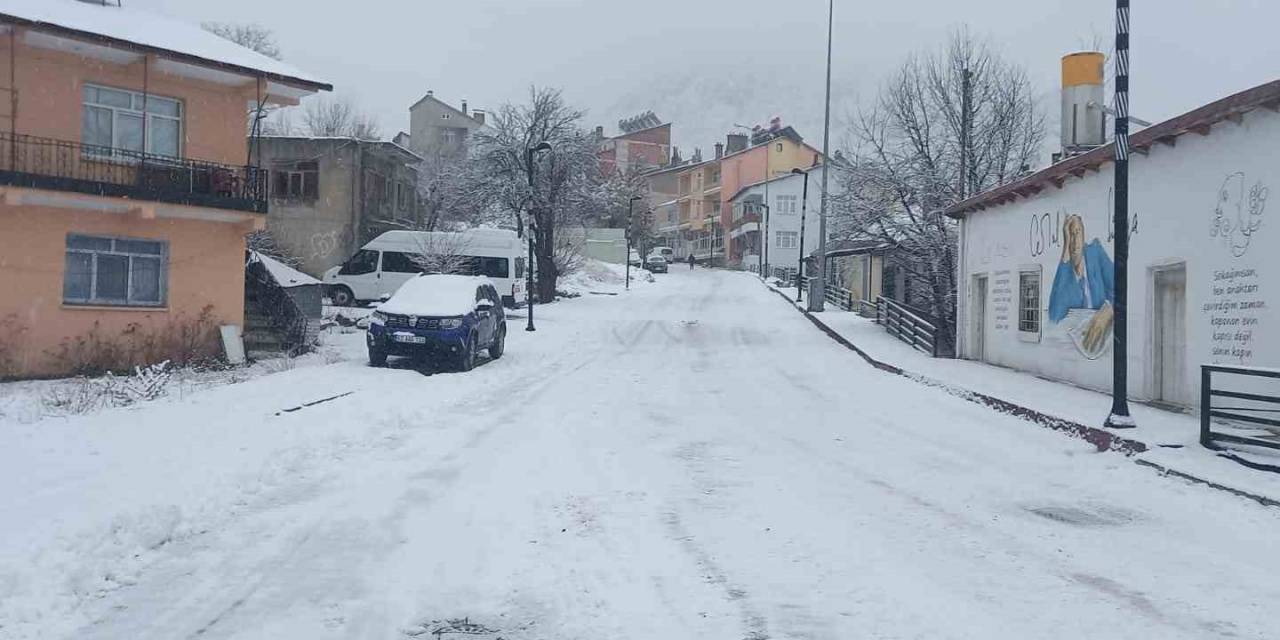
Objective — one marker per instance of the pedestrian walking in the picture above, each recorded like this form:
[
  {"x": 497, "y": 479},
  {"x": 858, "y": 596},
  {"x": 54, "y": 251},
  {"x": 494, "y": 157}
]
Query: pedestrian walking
[{"x": 691, "y": 262}]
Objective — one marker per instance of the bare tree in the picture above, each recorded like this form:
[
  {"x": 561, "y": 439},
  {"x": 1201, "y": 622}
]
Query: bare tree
[
  {"x": 564, "y": 176},
  {"x": 909, "y": 150},
  {"x": 264, "y": 242},
  {"x": 338, "y": 118},
  {"x": 251, "y": 36},
  {"x": 436, "y": 252}
]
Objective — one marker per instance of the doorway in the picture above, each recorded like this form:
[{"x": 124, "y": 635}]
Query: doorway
[
  {"x": 1169, "y": 336},
  {"x": 978, "y": 322}
]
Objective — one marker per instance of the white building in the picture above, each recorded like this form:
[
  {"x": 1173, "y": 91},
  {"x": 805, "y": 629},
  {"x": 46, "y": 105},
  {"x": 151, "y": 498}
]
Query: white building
[
  {"x": 1035, "y": 281},
  {"x": 778, "y": 205}
]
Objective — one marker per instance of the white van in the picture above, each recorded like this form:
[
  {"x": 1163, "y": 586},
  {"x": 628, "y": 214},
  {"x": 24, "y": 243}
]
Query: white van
[{"x": 394, "y": 257}]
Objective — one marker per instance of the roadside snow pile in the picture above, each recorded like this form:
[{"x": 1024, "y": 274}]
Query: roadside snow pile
[{"x": 599, "y": 277}]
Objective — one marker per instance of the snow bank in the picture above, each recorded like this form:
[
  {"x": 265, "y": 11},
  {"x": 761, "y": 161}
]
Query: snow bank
[
  {"x": 595, "y": 276},
  {"x": 435, "y": 295}
]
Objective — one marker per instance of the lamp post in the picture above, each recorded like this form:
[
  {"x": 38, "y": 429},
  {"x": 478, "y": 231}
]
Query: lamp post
[
  {"x": 533, "y": 229},
  {"x": 630, "y": 207},
  {"x": 816, "y": 302},
  {"x": 763, "y": 249},
  {"x": 1120, "y": 418},
  {"x": 804, "y": 205}
]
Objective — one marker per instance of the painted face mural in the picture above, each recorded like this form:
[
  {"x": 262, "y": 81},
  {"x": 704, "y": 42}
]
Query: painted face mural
[{"x": 1083, "y": 290}]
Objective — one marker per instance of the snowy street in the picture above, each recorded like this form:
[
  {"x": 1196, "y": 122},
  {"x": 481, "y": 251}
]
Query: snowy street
[{"x": 692, "y": 459}]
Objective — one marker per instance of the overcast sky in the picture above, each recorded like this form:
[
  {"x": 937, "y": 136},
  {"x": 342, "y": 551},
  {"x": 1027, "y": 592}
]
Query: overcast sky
[{"x": 707, "y": 62}]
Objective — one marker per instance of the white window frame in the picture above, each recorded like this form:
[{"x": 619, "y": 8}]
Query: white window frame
[
  {"x": 94, "y": 299},
  {"x": 786, "y": 204},
  {"x": 792, "y": 236},
  {"x": 138, "y": 102},
  {"x": 1037, "y": 306}
]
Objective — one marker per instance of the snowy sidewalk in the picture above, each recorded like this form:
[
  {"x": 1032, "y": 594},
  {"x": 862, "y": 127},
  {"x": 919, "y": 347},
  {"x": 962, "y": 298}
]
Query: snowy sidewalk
[{"x": 1172, "y": 439}]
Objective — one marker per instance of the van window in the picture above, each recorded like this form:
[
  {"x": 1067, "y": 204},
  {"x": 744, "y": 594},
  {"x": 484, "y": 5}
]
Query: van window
[
  {"x": 495, "y": 267},
  {"x": 398, "y": 262},
  {"x": 364, "y": 261}
]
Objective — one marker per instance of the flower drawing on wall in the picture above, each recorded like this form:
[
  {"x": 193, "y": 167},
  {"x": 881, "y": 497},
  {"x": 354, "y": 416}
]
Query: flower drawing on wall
[
  {"x": 1238, "y": 214},
  {"x": 1083, "y": 290}
]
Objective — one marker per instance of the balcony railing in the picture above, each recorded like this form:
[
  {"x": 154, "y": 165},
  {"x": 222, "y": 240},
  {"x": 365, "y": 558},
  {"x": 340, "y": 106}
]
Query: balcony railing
[{"x": 61, "y": 165}]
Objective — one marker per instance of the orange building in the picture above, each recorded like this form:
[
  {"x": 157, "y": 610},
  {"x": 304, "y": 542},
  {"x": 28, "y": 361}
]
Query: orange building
[
  {"x": 767, "y": 154},
  {"x": 126, "y": 184}
]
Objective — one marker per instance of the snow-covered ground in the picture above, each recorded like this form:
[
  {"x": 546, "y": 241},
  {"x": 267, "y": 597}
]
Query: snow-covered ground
[
  {"x": 1173, "y": 437},
  {"x": 691, "y": 459}
]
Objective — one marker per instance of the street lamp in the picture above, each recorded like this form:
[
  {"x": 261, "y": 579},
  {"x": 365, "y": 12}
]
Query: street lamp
[
  {"x": 804, "y": 205},
  {"x": 763, "y": 233},
  {"x": 533, "y": 228},
  {"x": 816, "y": 302},
  {"x": 630, "y": 206},
  {"x": 1120, "y": 417}
]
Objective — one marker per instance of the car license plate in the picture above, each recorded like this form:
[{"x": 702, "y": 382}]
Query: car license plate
[{"x": 408, "y": 338}]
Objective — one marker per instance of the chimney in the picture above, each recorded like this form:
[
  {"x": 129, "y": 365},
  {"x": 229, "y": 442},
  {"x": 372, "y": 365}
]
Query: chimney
[
  {"x": 478, "y": 116},
  {"x": 430, "y": 93},
  {"x": 1084, "y": 122},
  {"x": 719, "y": 150},
  {"x": 735, "y": 142},
  {"x": 599, "y": 132},
  {"x": 464, "y": 108}
]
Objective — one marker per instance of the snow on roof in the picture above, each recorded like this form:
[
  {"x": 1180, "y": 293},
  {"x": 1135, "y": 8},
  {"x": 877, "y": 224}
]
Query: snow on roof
[
  {"x": 151, "y": 30},
  {"x": 439, "y": 295},
  {"x": 284, "y": 275}
]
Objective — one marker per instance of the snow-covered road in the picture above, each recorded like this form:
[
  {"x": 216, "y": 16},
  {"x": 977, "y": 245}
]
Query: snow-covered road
[{"x": 689, "y": 460}]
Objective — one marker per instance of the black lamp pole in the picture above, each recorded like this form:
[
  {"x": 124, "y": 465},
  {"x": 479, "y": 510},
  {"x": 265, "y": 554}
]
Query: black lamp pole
[
  {"x": 532, "y": 231},
  {"x": 804, "y": 205},
  {"x": 1120, "y": 417},
  {"x": 630, "y": 205}
]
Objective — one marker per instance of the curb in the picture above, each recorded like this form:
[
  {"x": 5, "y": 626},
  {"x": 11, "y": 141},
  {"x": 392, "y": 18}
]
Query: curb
[{"x": 1100, "y": 438}]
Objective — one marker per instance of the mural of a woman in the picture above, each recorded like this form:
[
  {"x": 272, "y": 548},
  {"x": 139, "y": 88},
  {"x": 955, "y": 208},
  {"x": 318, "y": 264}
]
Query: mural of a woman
[{"x": 1085, "y": 280}]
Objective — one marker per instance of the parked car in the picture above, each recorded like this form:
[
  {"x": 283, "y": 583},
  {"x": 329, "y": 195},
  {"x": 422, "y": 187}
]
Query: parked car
[
  {"x": 666, "y": 252},
  {"x": 634, "y": 258},
  {"x": 655, "y": 264},
  {"x": 439, "y": 317}
]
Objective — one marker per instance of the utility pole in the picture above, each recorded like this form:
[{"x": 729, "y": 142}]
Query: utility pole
[
  {"x": 533, "y": 229},
  {"x": 966, "y": 128},
  {"x": 630, "y": 204},
  {"x": 1120, "y": 418},
  {"x": 816, "y": 302}
]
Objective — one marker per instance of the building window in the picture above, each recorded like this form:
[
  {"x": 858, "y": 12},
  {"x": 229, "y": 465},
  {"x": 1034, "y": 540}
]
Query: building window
[
  {"x": 1029, "y": 302},
  {"x": 786, "y": 239},
  {"x": 786, "y": 205},
  {"x": 296, "y": 181},
  {"x": 112, "y": 120},
  {"x": 115, "y": 271}
]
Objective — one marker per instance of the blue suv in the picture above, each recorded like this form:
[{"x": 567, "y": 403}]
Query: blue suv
[{"x": 439, "y": 317}]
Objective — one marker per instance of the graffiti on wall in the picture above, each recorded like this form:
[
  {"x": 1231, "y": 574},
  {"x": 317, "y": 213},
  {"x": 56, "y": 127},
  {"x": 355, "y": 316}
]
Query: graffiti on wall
[
  {"x": 1233, "y": 311},
  {"x": 1002, "y": 299},
  {"x": 1238, "y": 214},
  {"x": 1083, "y": 290},
  {"x": 324, "y": 244}
]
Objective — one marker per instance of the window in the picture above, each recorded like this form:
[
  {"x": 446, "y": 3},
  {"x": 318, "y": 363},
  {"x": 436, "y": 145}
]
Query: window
[
  {"x": 402, "y": 196},
  {"x": 397, "y": 262},
  {"x": 112, "y": 123},
  {"x": 495, "y": 267},
  {"x": 787, "y": 205},
  {"x": 364, "y": 261},
  {"x": 449, "y": 137},
  {"x": 786, "y": 239},
  {"x": 1029, "y": 302},
  {"x": 296, "y": 181},
  {"x": 115, "y": 271}
]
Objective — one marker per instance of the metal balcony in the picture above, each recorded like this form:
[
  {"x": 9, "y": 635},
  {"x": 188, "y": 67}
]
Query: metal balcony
[{"x": 61, "y": 165}]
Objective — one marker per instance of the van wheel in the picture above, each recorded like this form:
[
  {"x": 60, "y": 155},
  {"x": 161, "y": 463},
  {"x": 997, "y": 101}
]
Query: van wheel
[
  {"x": 499, "y": 343},
  {"x": 341, "y": 296},
  {"x": 467, "y": 359}
]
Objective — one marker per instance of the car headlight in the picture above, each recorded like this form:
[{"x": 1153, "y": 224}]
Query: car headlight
[
  {"x": 378, "y": 317},
  {"x": 450, "y": 323}
]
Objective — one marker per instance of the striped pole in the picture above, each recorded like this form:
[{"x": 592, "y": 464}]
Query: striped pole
[{"x": 1120, "y": 417}]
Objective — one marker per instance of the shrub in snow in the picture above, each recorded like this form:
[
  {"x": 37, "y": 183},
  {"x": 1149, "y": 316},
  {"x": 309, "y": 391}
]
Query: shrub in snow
[
  {"x": 146, "y": 383},
  {"x": 86, "y": 395}
]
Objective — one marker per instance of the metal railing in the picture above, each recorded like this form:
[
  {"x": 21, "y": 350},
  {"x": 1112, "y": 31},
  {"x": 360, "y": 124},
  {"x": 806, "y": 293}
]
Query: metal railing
[
  {"x": 273, "y": 300},
  {"x": 1248, "y": 405},
  {"x": 61, "y": 165},
  {"x": 905, "y": 325}
]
